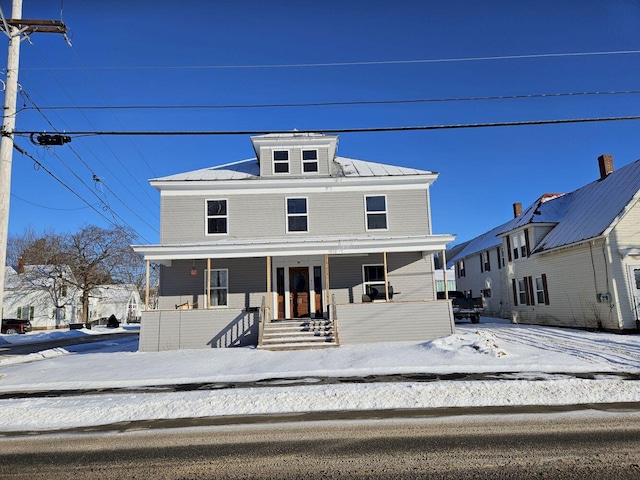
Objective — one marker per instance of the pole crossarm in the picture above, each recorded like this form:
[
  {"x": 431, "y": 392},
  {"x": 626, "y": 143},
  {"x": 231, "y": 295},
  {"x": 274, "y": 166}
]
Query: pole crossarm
[{"x": 26, "y": 25}]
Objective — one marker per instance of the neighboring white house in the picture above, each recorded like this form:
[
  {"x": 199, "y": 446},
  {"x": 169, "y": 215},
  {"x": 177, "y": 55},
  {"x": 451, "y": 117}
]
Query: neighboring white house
[
  {"x": 569, "y": 259},
  {"x": 121, "y": 300},
  {"x": 40, "y": 294},
  {"x": 299, "y": 244}
]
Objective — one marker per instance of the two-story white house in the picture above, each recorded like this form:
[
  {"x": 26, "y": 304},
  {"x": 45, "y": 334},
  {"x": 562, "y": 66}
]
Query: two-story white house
[
  {"x": 568, "y": 259},
  {"x": 295, "y": 240}
]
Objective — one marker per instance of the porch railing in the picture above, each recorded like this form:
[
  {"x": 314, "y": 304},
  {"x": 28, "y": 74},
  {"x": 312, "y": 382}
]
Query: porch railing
[
  {"x": 261, "y": 320},
  {"x": 333, "y": 316}
]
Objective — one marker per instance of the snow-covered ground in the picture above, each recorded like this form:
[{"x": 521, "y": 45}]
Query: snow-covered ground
[{"x": 542, "y": 363}]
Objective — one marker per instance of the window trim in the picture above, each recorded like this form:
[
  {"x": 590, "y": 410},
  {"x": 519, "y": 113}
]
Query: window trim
[
  {"x": 376, "y": 212},
  {"x": 381, "y": 293},
  {"x": 207, "y": 216},
  {"x": 281, "y": 162},
  {"x": 309, "y": 162},
  {"x": 211, "y": 287},
  {"x": 288, "y": 215}
]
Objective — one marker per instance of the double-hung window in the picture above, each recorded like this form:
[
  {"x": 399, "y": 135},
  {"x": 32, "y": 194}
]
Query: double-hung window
[
  {"x": 297, "y": 215},
  {"x": 309, "y": 161},
  {"x": 376, "y": 212},
  {"x": 216, "y": 217},
  {"x": 219, "y": 289},
  {"x": 485, "y": 265},
  {"x": 281, "y": 161},
  {"x": 373, "y": 281},
  {"x": 518, "y": 245},
  {"x": 522, "y": 292}
]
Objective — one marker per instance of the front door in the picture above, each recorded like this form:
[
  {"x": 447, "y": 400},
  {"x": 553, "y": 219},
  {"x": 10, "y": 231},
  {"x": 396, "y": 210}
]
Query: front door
[
  {"x": 299, "y": 291},
  {"x": 634, "y": 281}
]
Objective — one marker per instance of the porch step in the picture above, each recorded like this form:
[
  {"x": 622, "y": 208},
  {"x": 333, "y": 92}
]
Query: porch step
[{"x": 298, "y": 334}]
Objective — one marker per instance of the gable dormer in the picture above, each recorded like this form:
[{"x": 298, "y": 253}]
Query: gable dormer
[{"x": 295, "y": 154}]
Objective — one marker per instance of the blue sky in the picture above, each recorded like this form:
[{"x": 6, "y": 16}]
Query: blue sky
[{"x": 127, "y": 53}]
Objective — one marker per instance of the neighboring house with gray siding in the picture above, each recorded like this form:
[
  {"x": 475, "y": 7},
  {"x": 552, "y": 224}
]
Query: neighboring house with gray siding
[
  {"x": 297, "y": 240},
  {"x": 570, "y": 259}
]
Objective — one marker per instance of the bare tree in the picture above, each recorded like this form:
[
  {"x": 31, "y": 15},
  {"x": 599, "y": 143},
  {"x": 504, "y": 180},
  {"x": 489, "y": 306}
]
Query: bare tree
[{"x": 90, "y": 257}]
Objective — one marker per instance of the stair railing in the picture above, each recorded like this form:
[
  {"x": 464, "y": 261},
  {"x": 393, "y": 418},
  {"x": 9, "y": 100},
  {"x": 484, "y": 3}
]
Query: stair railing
[{"x": 333, "y": 316}]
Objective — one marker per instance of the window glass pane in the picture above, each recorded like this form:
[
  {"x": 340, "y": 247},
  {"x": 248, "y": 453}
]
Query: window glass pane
[
  {"x": 217, "y": 225},
  {"x": 218, "y": 297},
  {"x": 376, "y": 204},
  {"x": 217, "y": 207},
  {"x": 376, "y": 221},
  {"x": 296, "y": 205},
  {"x": 636, "y": 274},
  {"x": 373, "y": 273},
  {"x": 309, "y": 155},
  {"x": 281, "y": 167},
  {"x": 281, "y": 155},
  {"x": 297, "y": 224},
  {"x": 310, "y": 167}
]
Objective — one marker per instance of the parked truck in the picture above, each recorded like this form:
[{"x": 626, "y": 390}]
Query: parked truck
[{"x": 464, "y": 306}]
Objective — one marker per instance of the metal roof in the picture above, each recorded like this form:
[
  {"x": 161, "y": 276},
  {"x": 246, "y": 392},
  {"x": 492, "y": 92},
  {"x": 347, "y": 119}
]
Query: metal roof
[{"x": 250, "y": 169}]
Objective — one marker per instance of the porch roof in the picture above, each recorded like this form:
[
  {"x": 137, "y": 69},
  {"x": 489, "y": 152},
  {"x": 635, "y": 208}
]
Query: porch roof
[{"x": 287, "y": 246}]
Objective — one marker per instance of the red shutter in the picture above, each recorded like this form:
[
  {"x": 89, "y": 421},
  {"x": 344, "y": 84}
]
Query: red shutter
[
  {"x": 545, "y": 289},
  {"x": 515, "y": 292},
  {"x": 526, "y": 241},
  {"x": 529, "y": 284},
  {"x": 509, "y": 249}
]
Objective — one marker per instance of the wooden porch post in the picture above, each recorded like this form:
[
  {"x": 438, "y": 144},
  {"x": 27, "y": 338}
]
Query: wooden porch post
[
  {"x": 147, "y": 289},
  {"x": 268, "y": 312},
  {"x": 327, "y": 294},
  {"x": 444, "y": 275},
  {"x": 386, "y": 277},
  {"x": 207, "y": 295}
]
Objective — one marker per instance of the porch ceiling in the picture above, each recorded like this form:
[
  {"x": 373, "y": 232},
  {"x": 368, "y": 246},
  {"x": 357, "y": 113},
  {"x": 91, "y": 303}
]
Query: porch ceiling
[{"x": 285, "y": 247}]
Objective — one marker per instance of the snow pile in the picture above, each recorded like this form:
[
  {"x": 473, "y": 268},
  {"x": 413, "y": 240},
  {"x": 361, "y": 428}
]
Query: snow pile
[{"x": 547, "y": 362}]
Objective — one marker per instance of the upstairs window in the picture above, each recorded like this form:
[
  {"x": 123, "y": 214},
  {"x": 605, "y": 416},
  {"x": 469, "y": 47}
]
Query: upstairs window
[
  {"x": 216, "y": 217},
  {"x": 376, "y": 212},
  {"x": 309, "y": 161},
  {"x": 485, "y": 265},
  {"x": 281, "y": 161},
  {"x": 297, "y": 215},
  {"x": 460, "y": 268},
  {"x": 518, "y": 246}
]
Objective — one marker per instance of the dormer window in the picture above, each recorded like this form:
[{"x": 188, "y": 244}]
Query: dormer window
[
  {"x": 281, "y": 161},
  {"x": 309, "y": 161}
]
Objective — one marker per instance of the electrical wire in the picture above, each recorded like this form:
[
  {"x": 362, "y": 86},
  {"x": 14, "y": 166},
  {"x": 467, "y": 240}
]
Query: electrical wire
[
  {"x": 80, "y": 133},
  {"x": 357, "y": 64},
  {"x": 331, "y": 104},
  {"x": 45, "y": 206}
]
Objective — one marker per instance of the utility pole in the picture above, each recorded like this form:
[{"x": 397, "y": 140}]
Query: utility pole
[{"x": 16, "y": 29}]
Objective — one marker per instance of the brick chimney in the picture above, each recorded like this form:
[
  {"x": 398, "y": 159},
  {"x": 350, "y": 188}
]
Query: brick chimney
[
  {"x": 605, "y": 162},
  {"x": 20, "y": 265},
  {"x": 517, "y": 209}
]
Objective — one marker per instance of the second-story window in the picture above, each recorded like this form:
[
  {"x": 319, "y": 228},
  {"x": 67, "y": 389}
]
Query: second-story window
[
  {"x": 376, "y": 212},
  {"x": 518, "y": 245},
  {"x": 485, "y": 264},
  {"x": 297, "y": 216},
  {"x": 309, "y": 161},
  {"x": 281, "y": 161},
  {"x": 216, "y": 217}
]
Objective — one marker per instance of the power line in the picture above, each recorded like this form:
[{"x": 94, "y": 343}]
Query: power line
[
  {"x": 330, "y": 104},
  {"x": 355, "y": 64},
  {"x": 340, "y": 130},
  {"x": 45, "y": 206}
]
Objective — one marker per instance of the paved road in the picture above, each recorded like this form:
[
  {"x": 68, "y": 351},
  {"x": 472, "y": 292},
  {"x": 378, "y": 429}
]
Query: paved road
[
  {"x": 577, "y": 446},
  {"x": 26, "y": 349}
]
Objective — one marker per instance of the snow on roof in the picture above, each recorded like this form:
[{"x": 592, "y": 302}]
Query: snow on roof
[
  {"x": 250, "y": 169},
  {"x": 242, "y": 170},
  {"x": 585, "y": 213},
  {"x": 115, "y": 293},
  {"x": 478, "y": 244},
  {"x": 359, "y": 168}
]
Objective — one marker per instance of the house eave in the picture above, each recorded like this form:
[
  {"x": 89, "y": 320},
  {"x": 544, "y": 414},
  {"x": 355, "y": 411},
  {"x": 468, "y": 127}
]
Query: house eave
[
  {"x": 205, "y": 187},
  {"x": 286, "y": 247}
]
